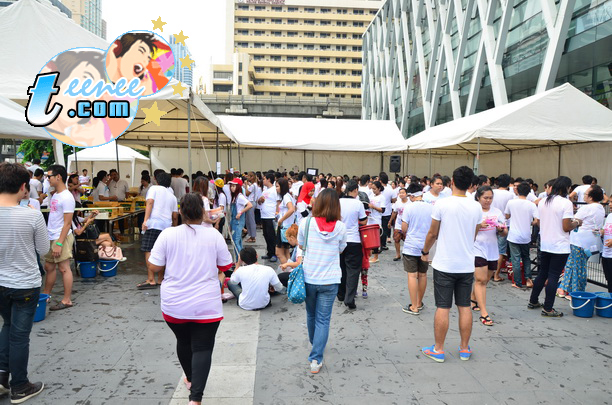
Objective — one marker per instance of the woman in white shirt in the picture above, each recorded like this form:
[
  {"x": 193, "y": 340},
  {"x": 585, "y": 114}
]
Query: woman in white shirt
[
  {"x": 250, "y": 190},
  {"x": 145, "y": 185},
  {"x": 211, "y": 217},
  {"x": 606, "y": 254},
  {"x": 101, "y": 192},
  {"x": 556, "y": 222},
  {"x": 377, "y": 207},
  {"x": 592, "y": 215},
  {"x": 220, "y": 201},
  {"x": 286, "y": 218},
  {"x": 486, "y": 250},
  {"x": 239, "y": 205}
]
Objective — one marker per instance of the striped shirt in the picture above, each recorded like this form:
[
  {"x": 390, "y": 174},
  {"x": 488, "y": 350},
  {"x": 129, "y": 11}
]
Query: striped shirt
[
  {"x": 23, "y": 234},
  {"x": 322, "y": 257}
]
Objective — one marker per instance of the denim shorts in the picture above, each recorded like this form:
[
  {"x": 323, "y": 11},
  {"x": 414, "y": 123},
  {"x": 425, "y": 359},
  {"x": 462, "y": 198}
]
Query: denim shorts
[
  {"x": 502, "y": 244},
  {"x": 447, "y": 285}
]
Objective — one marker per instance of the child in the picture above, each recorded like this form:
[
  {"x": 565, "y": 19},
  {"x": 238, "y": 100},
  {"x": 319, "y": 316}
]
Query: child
[{"x": 296, "y": 255}]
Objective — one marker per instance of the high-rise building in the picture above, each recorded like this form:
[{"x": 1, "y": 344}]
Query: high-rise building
[
  {"x": 103, "y": 29},
  {"x": 88, "y": 14},
  {"x": 296, "y": 47},
  {"x": 181, "y": 73},
  {"x": 446, "y": 60},
  {"x": 56, "y": 3}
]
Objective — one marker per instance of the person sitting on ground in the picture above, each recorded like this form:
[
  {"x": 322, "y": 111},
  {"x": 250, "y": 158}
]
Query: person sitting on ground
[
  {"x": 250, "y": 282},
  {"x": 296, "y": 255}
]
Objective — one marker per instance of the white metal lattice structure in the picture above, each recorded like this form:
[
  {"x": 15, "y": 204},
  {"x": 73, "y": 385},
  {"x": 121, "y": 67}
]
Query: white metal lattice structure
[{"x": 414, "y": 48}]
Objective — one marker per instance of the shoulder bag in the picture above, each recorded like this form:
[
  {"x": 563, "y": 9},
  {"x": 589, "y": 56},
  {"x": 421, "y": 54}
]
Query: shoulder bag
[{"x": 296, "y": 288}]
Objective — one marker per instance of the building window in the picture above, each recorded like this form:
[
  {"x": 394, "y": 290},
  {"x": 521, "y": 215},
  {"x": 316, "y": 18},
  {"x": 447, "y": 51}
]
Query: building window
[
  {"x": 340, "y": 72},
  {"x": 291, "y": 58},
  {"x": 258, "y": 45},
  {"x": 342, "y": 11},
  {"x": 341, "y": 23},
  {"x": 292, "y": 46},
  {"x": 242, "y": 44},
  {"x": 309, "y": 10},
  {"x": 276, "y": 58},
  {"x": 257, "y": 57},
  {"x": 309, "y": 47},
  {"x": 277, "y": 21},
  {"x": 309, "y": 71},
  {"x": 292, "y": 34},
  {"x": 243, "y": 32},
  {"x": 275, "y": 70},
  {"x": 323, "y": 71},
  {"x": 259, "y": 69},
  {"x": 355, "y": 23},
  {"x": 357, "y": 60},
  {"x": 356, "y": 49},
  {"x": 340, "y": 84},
  {"x": 356, "y": 36},
  {"x": 243, "y": 19},
  {"x": 340, "y": 47},
  {"x": 240, "y": 7},
  {"x": 356, "y": 72},
  {"x": 324, "y": 60},
  {"x": 373, "y": 12},
  {"x": 277, "y": 9},
  {"x": 309, "y": 35},
  {"x": 325, "y": 22},
  {"x": 276, "y": 33},
  {"x": 260, "y": 8},
  {"x": 356, "y": 85},
  {"x": 325, "y": 10},
  {"x": 291, "y": 71},
  {"x": 291, "y": 82},
  {"x": 292, "y": 9},
  {"x": 222, "y": 75},
  {"x": 258, "y": 33},
  {"x": 291, "y": 94},
  {"x": 275, "y": 93},
  {"x": 340, "y": 60},
  {"x": 324, "y": 35},
  {"x": 325, "y": 47},
  {"x": 308, "y": 84},
  {"x": 276, "y": 46},
  {"x": 323, "y": 84},
  {"x": 309, "y": 22},
  {"x": 307, "y": 95},
  {"x": 355, "y": 11},
  {"x": 323, "y": 95},
  {"x": 292, "y": 22},
  {"x": 275, "y": 82},
  {"x": 259, "y": 93}
]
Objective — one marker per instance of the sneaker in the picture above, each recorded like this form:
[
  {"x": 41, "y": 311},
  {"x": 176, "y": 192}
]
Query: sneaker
[
  {"x": 28, "y": 391},
  {"x": 410, "y": 311},
  {"x": 265, "y": 257},
  {"x": 351, "y": 306},
  {"x": 465, "y": 354},
  {"x": 534, "y": 306},
  {"x": 4, "y": 383},
  {"x": 364, "y": 294},
  {"x": 273, "y": 259},
  {"x": 432, "y": 354},
  {"x": 552, "y": 314},
  {"x": 315, "y": 366}
]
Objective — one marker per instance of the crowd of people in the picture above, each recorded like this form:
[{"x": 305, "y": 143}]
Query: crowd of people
[{"x": 468, "y": 228}]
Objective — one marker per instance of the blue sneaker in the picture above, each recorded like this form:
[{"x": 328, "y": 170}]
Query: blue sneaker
[
  {"x": 273, "y": 259},
  {"x": 432, "y": 354},
  {"x": 465, "y": 354}
]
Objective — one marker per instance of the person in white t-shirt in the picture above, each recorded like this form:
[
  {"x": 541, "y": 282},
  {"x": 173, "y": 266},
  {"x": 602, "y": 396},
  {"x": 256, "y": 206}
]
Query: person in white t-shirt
[
  {"x": 35, "y": 165},
  {"x": 211, "y": 217},
  {"x": 36, "y": 187},
  {"x": 286, "y": 218},
  {"x": 161, "y": 212},
  {"x": 377, "y": 207},
  {"x": 578, "y": 194},
  {"x": 101, "y": 191},
  {"x": 386, "y": 215},
  {"x": 61, "y": 209},
  {"x": 522, "y": 215},
  {"x": 606, "y": 254},
  {"x": 239, "y": 205},
  {"x": 84, "y": 179},
  {"x": 251, "y": 281},
  {"x": 501, "y": 196},
  {"x": 118, "y": 187},
  {"x": 296, "y": 256},
  {"x": 250, "y": 190},
  {"x": 592, "y": 215},
  {"x": 606, "y": 199},
  {"x": 556, "y": 222},
  {"x": 486, "y": 250},
  {"x": 269, "y": 202},
  {"x": 455, "y": 223},
  {"x": 416, "y": 220},
  {"x": 434, "y": 193},
  {"x": 396, "y": 221},
  {"x": 364, "y": 185},
  {"x": 32, "y": 202},
  {"x": 178, "y": 184}
]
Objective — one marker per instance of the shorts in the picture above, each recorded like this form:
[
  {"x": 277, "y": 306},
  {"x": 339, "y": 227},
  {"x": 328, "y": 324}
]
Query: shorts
[
  {"x": 148, "y": 239},
  {"x": 66, "y": 253},
  {"x": 482, "y": 262},
  {"x": 398, "y": 235},
  {"x": 448, "y": 284},
  {"x": 279, "y": 242},
  {"x": 502, "y": 244},
  {"x": 414, "y": 264}
]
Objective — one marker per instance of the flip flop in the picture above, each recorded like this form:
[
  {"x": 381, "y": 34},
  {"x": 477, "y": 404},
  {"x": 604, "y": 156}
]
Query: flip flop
[
  {"x": 475, "y": 307},
  {"x": 500, "y": 280},
  {"x": 146, "y": 286},
  {"x": 59, "y": 306},
  {"x": 486, "y": 320}
]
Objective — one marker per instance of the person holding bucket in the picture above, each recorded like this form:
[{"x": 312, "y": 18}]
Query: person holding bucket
[
  {"x": 23, "y": 234},
  {"x": 606, "y": 254},
  {"x": 192, "y": 256}
]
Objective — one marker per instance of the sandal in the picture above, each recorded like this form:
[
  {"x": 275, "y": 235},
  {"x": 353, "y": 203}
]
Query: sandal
[
  {"x": 250, "y": 240},
  {"x": 499, "y": 280},
  {"x": 475, "y": 307},
  {"x": 146, "y": 286},
  {"x": 486, "y": 320},
  {"x": 59, "y": 306}
]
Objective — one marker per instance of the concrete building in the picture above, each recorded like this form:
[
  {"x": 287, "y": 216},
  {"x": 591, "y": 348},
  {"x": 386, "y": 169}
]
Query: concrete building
[
  {"x": 304, "y": 48},
  {"x": 181, "y": 73},
  {"x": 56, "y": 3},
  {"x": 88, "y": 14},
  {"x": 426, "y": 63}
]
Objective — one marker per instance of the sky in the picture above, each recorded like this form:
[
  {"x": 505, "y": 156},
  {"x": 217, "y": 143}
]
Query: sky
[{"x": 203, "y": 21}]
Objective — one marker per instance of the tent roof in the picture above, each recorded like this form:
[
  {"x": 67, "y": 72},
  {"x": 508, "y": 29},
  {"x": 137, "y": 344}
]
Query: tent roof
[
  {"x": 13, "y": 124},
  {"x": 559, "y": 116},
  {"x": 314, "y": 133},
  {"x": 107, "y": 152},
  {"x": 32, "y": 33}
]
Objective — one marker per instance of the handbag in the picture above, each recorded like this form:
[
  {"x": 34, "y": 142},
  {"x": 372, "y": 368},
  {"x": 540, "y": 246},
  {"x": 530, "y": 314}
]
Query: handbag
[
  {"x": 283, "y": 230},
  {"x": 296, "y": 287},
  {"x": 110, "y": 253},
  {"x": 85, "y": 250}
]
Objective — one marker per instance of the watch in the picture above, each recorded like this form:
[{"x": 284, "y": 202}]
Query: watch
[{"x": 424, "y": 253}]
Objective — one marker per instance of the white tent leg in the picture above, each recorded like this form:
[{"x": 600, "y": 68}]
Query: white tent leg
[
  {"x": 58, "y": 149},
  {"x": 189, "y": 140}
]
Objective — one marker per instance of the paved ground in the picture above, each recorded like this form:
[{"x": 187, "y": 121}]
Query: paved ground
[{"x": 114, "y": 348}]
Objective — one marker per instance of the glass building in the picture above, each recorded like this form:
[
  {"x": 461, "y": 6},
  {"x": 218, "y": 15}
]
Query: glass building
[
  {"x": 424, "y": 66},
  {"x": 181, "y": 73}
]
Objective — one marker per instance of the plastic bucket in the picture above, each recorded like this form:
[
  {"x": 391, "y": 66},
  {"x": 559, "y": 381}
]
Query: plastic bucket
[
  {"x": 603, "y": 304},
  {"x": 41, "y": 308},
  {"x": 108, "y": 268},
  {"x": 370, "y": 236},
  {"x": 583, "y": 303},
  {"x": 87, "y": 269}
]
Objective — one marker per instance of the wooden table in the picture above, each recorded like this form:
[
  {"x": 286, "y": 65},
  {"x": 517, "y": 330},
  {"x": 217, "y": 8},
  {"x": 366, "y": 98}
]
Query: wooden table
[{"x": 130, "y": 216}]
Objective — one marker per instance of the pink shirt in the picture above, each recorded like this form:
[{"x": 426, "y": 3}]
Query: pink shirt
[{"x": 192, "y": 256}]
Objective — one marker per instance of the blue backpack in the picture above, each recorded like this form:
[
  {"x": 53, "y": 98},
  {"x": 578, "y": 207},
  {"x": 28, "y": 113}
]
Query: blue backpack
[{"x": 296, "y": 288}]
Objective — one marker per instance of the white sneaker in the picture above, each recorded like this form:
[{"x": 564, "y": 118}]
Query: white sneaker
[{"x": 315, "y": 367}]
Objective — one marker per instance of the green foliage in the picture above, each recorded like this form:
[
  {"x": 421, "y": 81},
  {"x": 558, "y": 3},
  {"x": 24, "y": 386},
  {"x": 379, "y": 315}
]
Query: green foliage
[{"x": 34, "y": 148}]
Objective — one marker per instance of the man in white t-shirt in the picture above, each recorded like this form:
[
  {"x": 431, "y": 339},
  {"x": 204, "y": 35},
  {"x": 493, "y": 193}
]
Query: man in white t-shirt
[
  {"x": 352, "y": 215},
  {"x": 84, "y": 179},
  {"x": 161, "y": 212},
  {"x": 269, "y": 203},
  {"x": 250, "y": 282},
  {"x": 522, "y": 214},
  {"x": 178, "y": 183},
  {"x": 118, "y": 187},
  {"x": 364, "y": 185},
  {"x": 36, "y": 187},
  {"x": 35, "y": 165},
  {"x": 61, "y": 210},
  {"x": 396, "y": 221},
  {"x": 578, "y": 194},
  {"x": 455, "y": 223},
  {"x": 501, "y": 196},
  {"x": 386, "y": 215},
  {"x": 295, "y": 188}
]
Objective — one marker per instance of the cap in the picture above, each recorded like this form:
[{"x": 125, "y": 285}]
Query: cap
[
  {"x": 237, "y": 181},
  {"x": 219, "y": 183}
]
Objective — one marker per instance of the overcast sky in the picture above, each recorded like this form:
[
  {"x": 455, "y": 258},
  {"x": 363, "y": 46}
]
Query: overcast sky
[{"x": 203, "y": 21}]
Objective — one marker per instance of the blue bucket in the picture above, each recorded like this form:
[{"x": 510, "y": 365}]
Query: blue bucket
[
  {"x": 87, "y": 269},
  {"x": 603, "y": 304},
  {"x": 41, "y": 308},
  {"x": 108, "y": 268},
  {"x": 583, "y": 303}
]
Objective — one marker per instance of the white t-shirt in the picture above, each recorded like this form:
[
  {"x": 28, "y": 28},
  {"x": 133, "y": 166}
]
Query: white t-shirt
[
  {"x": 580, "y": 191},
  {"x": 418, "y": 217},
  {"x": 268, "y": 208},
  {"x": 101, "y": 190},
  {"x": 47, "y": 189},
  {"x": 36, "y": 188},
  {"x": 522, "y": 213},
  {"x": 429, "y": 198},
  {"x": 399, "y": 207},
  {"x": 367, "y": 190},
  {"x": 295, "y": 188},
  {"x": 179, "y": 186},
  {"x": 501, "y": 198},
  {"x": 164, "y": 204},
  {"x": 221, "y": 201},
  {"x": 485, "y": 245},
  {"x": 542, "y": 195},
  {"x": 191, "y": 282},
  {"x": 35, "y": 203},
  {"x": 426, "y": 189},
  {"x": 607, "y": 251},
  {"x": 447, "y": 192},
  {"x": 253, "y": 193},
  {"x": 388, "y": 195},
  {"x": 283, "y": 208},
  {"x": 352, "y": 211},
  {"x": 241, "y": 202},
  {"x": 61, "y": 203},
  {"x": 459, "y": 217},
  {"x": 255, "y": 281},
  {"x": 33, "y": 168},
  {"x": 553, "y": 238},
  {"x": 375, "y": 217},
  {"x": 118, "y": 188},
  {"x": 84, "y": 180},
  {"x": 592, "y": 216}
]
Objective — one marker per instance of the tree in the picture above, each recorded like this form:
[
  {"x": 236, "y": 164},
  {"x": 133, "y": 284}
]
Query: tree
[{"x": 34, "y": 149}]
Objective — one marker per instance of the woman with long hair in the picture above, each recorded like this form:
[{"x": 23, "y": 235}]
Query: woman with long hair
[
  {"x": 339, "y": 187},
  {"x": 193, "y": 257},
  {"x": 286, "y": 218},
  {"x": 238, "y": 206},
  {"x": 200, "y": 187},
  {"x": 486, "y": 250},
  {"x": 305, "y": 201},
  {"x": 220, "y": 201},
  {"x": 251, "y": 194},
  {"x": 101, "y": 191},
  {"x": 556, "y": 222},
  {"x": 324, "y": 238},
  {"x": 377, "y": 207}
]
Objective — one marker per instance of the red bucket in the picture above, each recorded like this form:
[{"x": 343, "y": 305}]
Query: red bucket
[{"x": 370, "y": 236}]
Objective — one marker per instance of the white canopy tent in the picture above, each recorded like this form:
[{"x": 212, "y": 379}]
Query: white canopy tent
[{"x": 110, "y": 156}]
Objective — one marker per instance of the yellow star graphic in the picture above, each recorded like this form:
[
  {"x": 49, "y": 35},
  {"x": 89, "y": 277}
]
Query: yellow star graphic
[
  {"x": 178, "y": 89},
  {"x": 187, "y": 61},
  {"x": 158, "y": 24},
  {"x": 180, "y": 38},
  {"x": 153, "y": 114}
]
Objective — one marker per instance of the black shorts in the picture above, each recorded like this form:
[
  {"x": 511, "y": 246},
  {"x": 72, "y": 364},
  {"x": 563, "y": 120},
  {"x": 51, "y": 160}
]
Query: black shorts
[
  {"x": 414, "y": 264},
  {"x": 279, "y": 241},
  {"x": 448, "y": 284},
  {"x": 148, "y": 239},
  {"x": 482, "y": 262}
]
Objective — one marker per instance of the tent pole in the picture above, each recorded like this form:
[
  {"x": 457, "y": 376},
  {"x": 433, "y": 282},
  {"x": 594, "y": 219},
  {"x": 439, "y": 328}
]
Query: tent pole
[
  {"x": 229, "y": 156},
  {"x": 382, "y": 161},
  {"x": 15, "y": 150},
  {"x": 150, "y": 162},
  {"x": 239, "y": 160},
  {"x": 430, "y": 163},
  {"x": 117, "y": 155},
  {"x": 510, "y": 163},
  {"x": 559, "y": 163},
  {"x": 217, "y": 147},
  {"x": 189, "y": 140},
  {"x": 76, "y": 160},
  {"x": 477, "y": 162}
]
